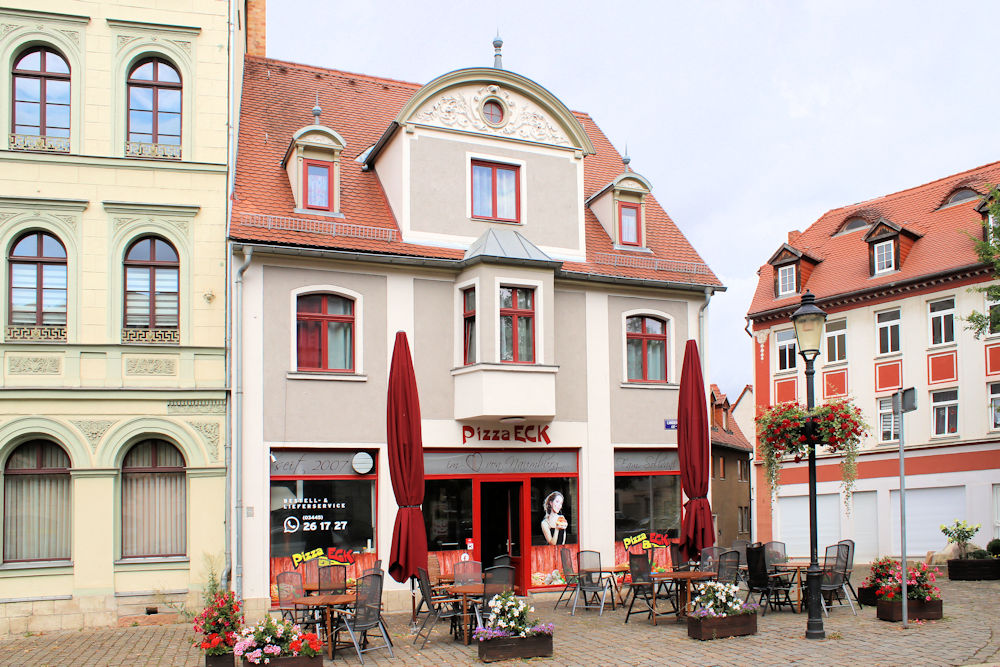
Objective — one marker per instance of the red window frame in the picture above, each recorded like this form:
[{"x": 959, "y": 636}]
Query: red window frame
[
  {"x": 150, "y": 265},
  {"x": 156, "y": 84},
  {"x": 493, "y": 167},
  {"x": 38, "y": 260},
  {"x": 44, "y": 76},
  {"x": 38, "y": 470},
  {"x": 305, "y": 184},
  {"x": 517, "y": 314},
  {"x": 638, "y": 224},
  {"x": 645, "y": 337},
  {"x": 325, "y": 318},
  {"x": 469, "y": 326}
]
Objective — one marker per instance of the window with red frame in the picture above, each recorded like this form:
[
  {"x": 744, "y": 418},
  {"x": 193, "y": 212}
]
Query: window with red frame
[
  {"x": 316, "y": 193},
  {"x": 646, "y": 345},
  {"x": 152, "y": 293},
  {"x": 517, "y": 325},
  {"x": 37, "y": 281},
  {"x": 41, "y": 93},
  {"x": 496, "y": 191},
  {"x": 36, "y": 503},
  {"x": 154, "y": 103},
  {"x": 469, "y": 325},
  {"x": 325, "y": 333},
  {"x": 154, "y": 501},
  {"x": 629, "y": 224}
]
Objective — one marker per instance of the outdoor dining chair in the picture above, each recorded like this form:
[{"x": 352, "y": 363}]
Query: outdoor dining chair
[
  {"x": 774, "y": 553},
  {"x": 364, "y": 617},
  {"x": 290, "y": 587},
  {"x": 708, "y": 557},
  {"x": 591, "y": 582},
  {"x": 834, "y": 578},
  {"x": 468, "y": 572},
  {"x": 740, "y": 546},
  {"x": 439, "y": 607},
  {"x": 850, "y": 568},
  {"x": 496, "y": 580},
  {"x": 728, "y": 567},
  {"x": 677, "y": 561},
  {"x": 569, "y": 575},
  {"x": 332, "y": 580},
  {"x": 773, "y": 588},
  {"x": 642, "y": 588},
  {"x": 503, "y": 559}
]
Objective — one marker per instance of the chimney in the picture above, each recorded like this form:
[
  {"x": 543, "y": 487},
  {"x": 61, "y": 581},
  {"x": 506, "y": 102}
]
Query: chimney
[
  {"x": 256, "y": 27},
  {"x": 792, "y": 235}
]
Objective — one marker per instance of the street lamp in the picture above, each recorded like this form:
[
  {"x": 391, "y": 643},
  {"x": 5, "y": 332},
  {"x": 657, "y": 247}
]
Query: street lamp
[{"x": 808, "y": 321}]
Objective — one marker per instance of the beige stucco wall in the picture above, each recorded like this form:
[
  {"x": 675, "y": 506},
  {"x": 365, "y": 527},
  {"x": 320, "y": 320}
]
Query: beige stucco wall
[
  {"x": 570, "y": 346},
  {"x": 433, "y": 339}
]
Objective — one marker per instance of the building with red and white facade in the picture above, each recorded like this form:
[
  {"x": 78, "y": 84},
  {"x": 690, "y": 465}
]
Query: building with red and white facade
[{"x": 895, "y": 276}]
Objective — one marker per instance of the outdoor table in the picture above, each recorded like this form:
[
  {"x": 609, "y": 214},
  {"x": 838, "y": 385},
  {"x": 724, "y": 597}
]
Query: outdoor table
[
  {"x": 687, "y": 576},
  {"x": 328, "y": 602},
  {"x": 466, "y": 591},
  {"x": 796, "y": 567}
]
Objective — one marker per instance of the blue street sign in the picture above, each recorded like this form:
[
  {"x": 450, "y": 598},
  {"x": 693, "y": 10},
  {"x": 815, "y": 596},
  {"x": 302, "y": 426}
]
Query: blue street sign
[{"x": 670, "y": 424}]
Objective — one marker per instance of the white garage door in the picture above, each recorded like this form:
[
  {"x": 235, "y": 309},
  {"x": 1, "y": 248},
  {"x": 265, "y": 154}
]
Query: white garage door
[
  {"x": 926, "y": 510},
  {"x": 793, "y": 523},
  {"x": 865, "y": 516}
]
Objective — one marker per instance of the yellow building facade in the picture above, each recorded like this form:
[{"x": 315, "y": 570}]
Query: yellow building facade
[{"x": 113, "y": 357}]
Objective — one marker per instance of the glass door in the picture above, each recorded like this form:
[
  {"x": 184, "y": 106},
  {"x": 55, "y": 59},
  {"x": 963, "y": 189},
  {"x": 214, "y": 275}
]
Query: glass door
[{"x": 500, "y": 524}]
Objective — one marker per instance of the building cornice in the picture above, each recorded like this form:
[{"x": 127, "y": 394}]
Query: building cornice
[
  {"x": 43, "y": 16},
  {"x": 143, "y": 208},
  {"x": 46, "y": 203},
  {"x": 158, "y": 27}
]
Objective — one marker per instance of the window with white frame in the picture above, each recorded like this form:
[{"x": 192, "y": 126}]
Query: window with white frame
[
  {"x": 944, "y": 408},
  {"x": 993, "y": 312},
  {"x": 786, "y": 349},
  {"x": 888, "y": 423},
  {"x": 836, "y": 340},
  {"x": 786, "y": 280},
  {"x": 942, "y": 315},
  {"x": 884, "y": 257},
  {"x": 995, "y": 405},
  {"x": 888, "y": 331}
]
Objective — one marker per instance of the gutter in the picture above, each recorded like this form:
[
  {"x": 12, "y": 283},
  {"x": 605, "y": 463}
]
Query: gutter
[{"x": 238, "y": 418}]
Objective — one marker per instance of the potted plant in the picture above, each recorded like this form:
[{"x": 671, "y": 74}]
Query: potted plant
[
  {"x": 278, "y": 643},
  {"x": 969, "y": 566},
  {"x": 218, "y": 624},
  {"x": 719, "y": 612},
  {"x": 509, "y": 633},
  {"x": 923, "y": 598},
  {"x": 782, "y": 433},
  {"x": 881, "y": 574}
]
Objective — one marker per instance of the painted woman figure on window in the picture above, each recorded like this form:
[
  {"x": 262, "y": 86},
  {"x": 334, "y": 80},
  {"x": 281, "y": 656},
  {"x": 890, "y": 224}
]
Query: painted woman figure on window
[{"x": 554, "y": 524}]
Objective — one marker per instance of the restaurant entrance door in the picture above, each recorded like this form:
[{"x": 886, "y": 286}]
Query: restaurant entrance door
[{"x": 500, "y": 524}]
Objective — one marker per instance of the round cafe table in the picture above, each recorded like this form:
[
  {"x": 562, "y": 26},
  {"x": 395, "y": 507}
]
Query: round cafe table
[
  {"x": 687, "y": 576},
  {"x": 466, "y": 591},
  {"x": 329, "y": 603}
]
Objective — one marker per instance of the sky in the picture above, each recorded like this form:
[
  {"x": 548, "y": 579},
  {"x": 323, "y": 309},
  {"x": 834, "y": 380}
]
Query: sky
[{"x": 750, "y": 119}]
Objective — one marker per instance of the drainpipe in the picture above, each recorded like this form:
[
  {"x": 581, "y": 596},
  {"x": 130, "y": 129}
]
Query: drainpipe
[
  {"x": 701, "y": 325},
  {"x": 238, "y": 414}
]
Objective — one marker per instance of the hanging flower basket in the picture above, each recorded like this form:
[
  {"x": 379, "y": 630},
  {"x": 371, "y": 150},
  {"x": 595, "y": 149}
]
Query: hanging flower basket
[{"x": 839, "y": 426}]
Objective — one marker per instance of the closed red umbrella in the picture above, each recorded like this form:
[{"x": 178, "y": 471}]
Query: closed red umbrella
[
  {"x": 406, "y": 465},
  {"x": 697, "y": 531}
]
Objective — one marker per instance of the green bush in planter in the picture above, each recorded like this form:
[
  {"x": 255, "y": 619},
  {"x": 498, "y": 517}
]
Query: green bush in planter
[
  {"x": 994, "y": 547},
  {"x": 979, "y": 553}
]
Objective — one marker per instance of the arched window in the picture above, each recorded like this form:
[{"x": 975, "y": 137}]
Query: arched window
[
  {"x": 41, "y": 93},
  {"x": 854, "y": 223},
  {"x": 646, "y": 345},
  {"x": 962, "y": 194},
  {"x": 154, "y": 103},
  {"x": 152, "y": 294},
  {"x": 36, "y": 503},
  {"x": 325, "y": 333},
  {"x": 154, "y": 501},
  {"x": 37, "y": 281}
]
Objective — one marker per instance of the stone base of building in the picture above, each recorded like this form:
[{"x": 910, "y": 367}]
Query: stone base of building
[{"x": 51, "y": 613}]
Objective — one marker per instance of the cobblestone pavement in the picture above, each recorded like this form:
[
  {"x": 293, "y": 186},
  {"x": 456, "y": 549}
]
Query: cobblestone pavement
[{"x": 968, "y": 634}]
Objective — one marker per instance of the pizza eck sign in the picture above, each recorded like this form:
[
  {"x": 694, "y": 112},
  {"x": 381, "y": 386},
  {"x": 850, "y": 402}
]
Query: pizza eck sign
[{"x": 520, "y": 433}]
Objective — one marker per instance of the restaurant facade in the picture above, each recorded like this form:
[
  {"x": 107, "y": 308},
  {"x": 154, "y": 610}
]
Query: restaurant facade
[{"x": 546, "y": 295}]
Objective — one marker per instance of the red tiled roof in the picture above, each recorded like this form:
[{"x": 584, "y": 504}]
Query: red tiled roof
[
  {"x": 947, "y": 241},
  {"x": 732, "y": 437},
  {"x": 277, "y": 98}
]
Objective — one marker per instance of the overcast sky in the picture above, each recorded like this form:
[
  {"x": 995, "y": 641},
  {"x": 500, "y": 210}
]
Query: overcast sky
[{"x": 749, "y": 118}]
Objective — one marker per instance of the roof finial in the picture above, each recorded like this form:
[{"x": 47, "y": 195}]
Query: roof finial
[
  {"x": 626, "y": 159},
  {"x": 316, "y": 111},
  {"x": 497, "y": 45}
]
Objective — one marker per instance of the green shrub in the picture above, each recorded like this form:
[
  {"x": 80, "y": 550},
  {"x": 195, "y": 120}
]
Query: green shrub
[
  {"x": 979, "y": 553},
  {"x": 994, "y": 547}
]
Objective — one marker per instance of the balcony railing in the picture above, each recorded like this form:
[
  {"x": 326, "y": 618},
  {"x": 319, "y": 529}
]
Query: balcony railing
[
  {"x": 38, "y": 142},
  {"x": 155, "y": 151},
  {"x": 36, "y": 334}
]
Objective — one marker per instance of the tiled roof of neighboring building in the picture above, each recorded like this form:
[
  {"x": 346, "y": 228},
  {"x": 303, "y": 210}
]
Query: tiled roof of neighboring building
[
  {"x": 946, "y": 241},
  {"x": 732, "y": 437},
  {"x": 277, "y": 98}
]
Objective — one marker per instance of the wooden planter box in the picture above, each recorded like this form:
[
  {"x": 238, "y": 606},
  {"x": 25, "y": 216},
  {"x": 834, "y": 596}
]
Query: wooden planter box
[
  {"x": 866, "y": 596},
  {"x": 227, "y": 660},
  {"x": 718, "y": 628},
  {"x": 892, "y": 610},
  {"x": 508, "y": 648},
  {"x": 973, "y": 569},
  {"x": 289, "y": 661}
]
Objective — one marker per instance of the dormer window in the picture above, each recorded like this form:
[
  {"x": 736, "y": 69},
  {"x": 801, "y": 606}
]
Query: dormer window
[
  {"x": 629, "y": 224},
  {"x": 960, "y": 195},
  {"x": 312, "y": 163},
  {"x": 316, "y": 185},
  {"x": 786, "y": 280},
  {"x": 884, "y": 256},
  {"x": 854, "y": 224}
]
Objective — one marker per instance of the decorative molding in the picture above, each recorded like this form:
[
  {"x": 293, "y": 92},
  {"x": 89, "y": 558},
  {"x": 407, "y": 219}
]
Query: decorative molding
[
  {"x": 143, "y": 208},
  {"x": 38, "y": 142},
  {"x": 761, "y": 337},
  {"x": 52, "y": 17},
  {"x": 123, "y": 40},
  {"x": 93, "y": 429},
  {"x": 68, "y": 219},
  {"x": 49, "y": 203},
  {"x": 33, "y": 365},
  {"x": 73, "y": 35},
  {"x": 7, "y": 28},
  {"x": 521, "y": 121},
  {"x": 183, "y": 44},
  {"x": 156, "y": 27},
  {"x": 150, "y": 366},
  {"x": 154, "y": 151},
  {"x": 144, "y": 336},
  {"x": 44, "y": 334},
  {"x": 197, "y": 406},
  {"x": 209, "y": 432}
]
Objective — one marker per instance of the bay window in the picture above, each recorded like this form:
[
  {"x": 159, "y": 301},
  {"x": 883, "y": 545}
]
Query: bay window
[
  {"x": 517, "y": 325},
  {"x": 469, "y": 326}
]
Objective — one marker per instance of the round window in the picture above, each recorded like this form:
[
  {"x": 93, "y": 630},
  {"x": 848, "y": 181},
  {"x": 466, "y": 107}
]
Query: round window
[{"x": 493, "y": 112}]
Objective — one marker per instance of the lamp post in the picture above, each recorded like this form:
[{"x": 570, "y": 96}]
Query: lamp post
[{"x": 808, "y": 321}]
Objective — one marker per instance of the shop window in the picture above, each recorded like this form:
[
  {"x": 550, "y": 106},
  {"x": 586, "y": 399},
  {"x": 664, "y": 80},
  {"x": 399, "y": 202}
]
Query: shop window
[
  {"x": 836, "y": 341},
  {"x": 645, "y": 503},
  {"x": 496, "y": 191},
  {"x": 152, "y": 293},
  {"x": 469, "y": 326},
  {"x": 942, "y": 321},
  {"x": 41, "y": 102},
  {"x": 888, "y": 423},
  {"x": 37, "y": 281},
  {"x": 325, "y": 333},
  {"x": 888, "y": 331},
  {"x": 154, "y": 501},
  {"x": 944, "y": 407},
  {"x": 646, "y": 346},
  {"x": 154, "y": 109},
  {"x": 448, "y": 513},
  {"x": 316, "y": 180},
  {"x": 629, "y": 224},
  {"x": 36, "y": 503},
  {"x": 554, "y": 526},
  {"x": 517, "y": 325},
  {"x": 786, "y": 349}
]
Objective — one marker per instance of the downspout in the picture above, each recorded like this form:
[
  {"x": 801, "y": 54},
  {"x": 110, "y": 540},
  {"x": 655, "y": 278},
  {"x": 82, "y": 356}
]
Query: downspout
[
  {"x": 701, "y": 324},
  {"x": 238, "y": 414}
]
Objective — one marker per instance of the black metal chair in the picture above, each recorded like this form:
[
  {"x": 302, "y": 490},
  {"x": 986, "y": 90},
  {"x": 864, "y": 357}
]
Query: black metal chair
[
  {"x": 468, "y": 572},
  {"x": 774, "y": 553},
  {"x": 772, "y": 587},
  {"x": 850, "y": 568},
  {"x": 496, "y": 580},
  {"x": 439, "y": 607},
  {"x": 332, "y": 579},
  {"x": 569, "y": 575},
  {"x": 503, "y": 559},
  {"x": 643, "y": 588},
  {"x": 740, "y": 546},
  {"x": 709, "y": 555},
  {"x": 677, "y": 561},
  {"x": 289, "y": 587},
  {"x": 835, "y": 576},
  {"x": 728, "y": 567},
  {"x": 591, "y": 582},
  {"x": 365, "y": 616}
]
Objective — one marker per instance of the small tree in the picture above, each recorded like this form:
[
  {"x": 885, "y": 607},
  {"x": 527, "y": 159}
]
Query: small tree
[{"x": 989, "y": 253}]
